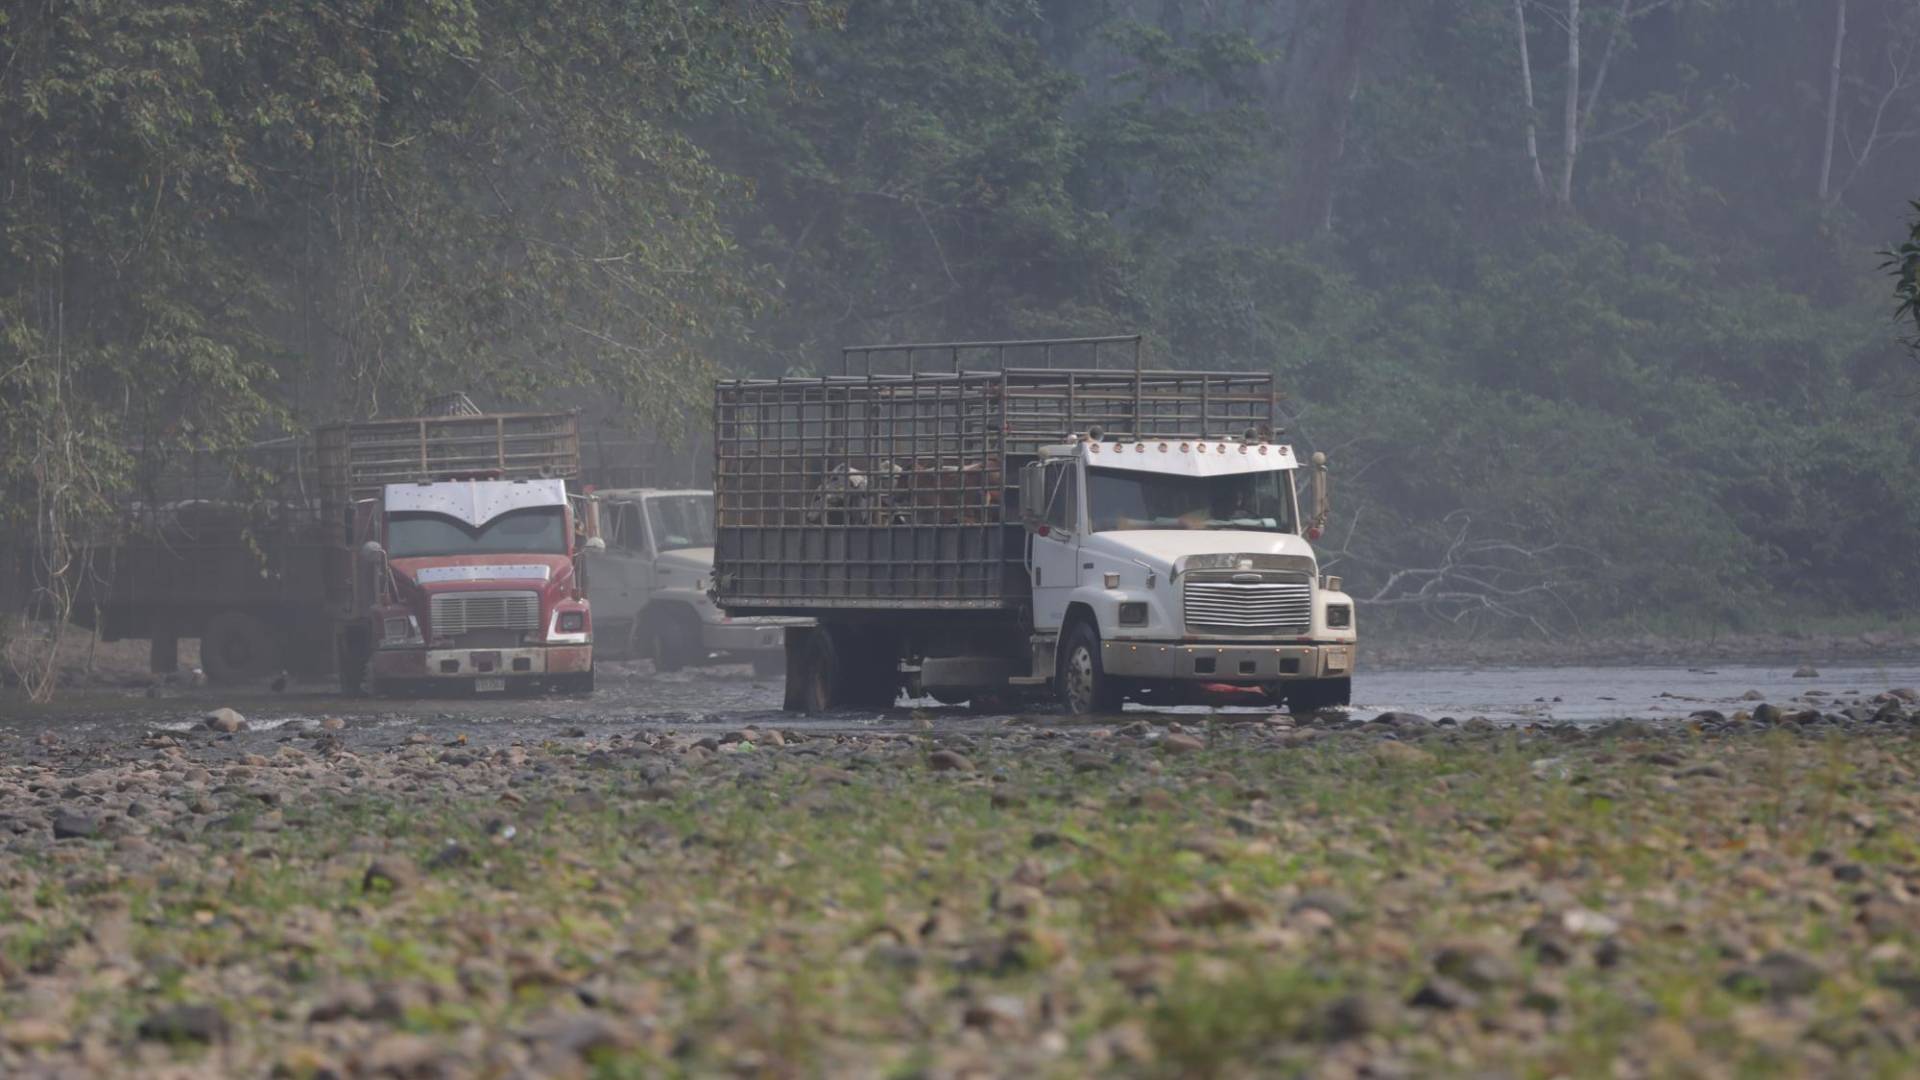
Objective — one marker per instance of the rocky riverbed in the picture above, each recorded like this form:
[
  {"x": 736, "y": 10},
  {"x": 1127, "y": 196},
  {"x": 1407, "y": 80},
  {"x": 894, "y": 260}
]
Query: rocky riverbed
[{"x": 1729, "y": 893}]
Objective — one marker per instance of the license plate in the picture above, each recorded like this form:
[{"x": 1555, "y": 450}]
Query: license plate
[{"x": 489, "y": 686}]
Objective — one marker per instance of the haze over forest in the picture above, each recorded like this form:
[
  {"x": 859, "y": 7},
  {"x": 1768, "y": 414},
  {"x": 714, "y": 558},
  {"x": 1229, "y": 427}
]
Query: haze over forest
[{"x": 1583, "y": 300}]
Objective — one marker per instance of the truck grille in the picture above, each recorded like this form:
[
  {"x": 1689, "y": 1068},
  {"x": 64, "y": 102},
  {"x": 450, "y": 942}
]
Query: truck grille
[
  {"x": 457, "y": 613},
  {"x": 1224, "y": 607}
]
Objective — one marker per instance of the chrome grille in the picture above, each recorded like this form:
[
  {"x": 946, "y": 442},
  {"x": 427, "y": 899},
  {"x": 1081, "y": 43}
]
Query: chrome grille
[
  {"x": 1229, "y": 607},
  {"x": 457, "y": 613}
]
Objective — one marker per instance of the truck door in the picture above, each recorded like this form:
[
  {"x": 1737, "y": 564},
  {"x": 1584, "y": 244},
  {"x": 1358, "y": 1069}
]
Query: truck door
[
  {"x": 618, "y": 580},
  {"x": 1055, "y": 552}
]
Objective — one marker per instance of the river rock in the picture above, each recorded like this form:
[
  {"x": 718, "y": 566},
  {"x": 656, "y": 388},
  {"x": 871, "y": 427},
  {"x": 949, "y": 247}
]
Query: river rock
[
  {"x": 74, "y": 825},
  {"x": 1181, "y": 743},
  {"x": 1806, "y": 671},
  {"x": 1779, "y": 974},
  {"x": 33, "y": 1031},
  {"x": 185, "y": 1023},
  {"x": 948, "y": 761},
  {"x": 226, "y": 720},
  {"x": 1399, "y": 753},
  {"x": 392, "y": 871}
]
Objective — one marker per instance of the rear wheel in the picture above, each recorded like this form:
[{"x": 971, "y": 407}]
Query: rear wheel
[
  {"x": 818, "y": 674},
  {"x": 1084, "y": 687},
  {"x": 237, "y": 647},
  {"x": 840, "y": 668},
  {"x": 1312, "y": 695},
  {"x": 673, "y": 639}
]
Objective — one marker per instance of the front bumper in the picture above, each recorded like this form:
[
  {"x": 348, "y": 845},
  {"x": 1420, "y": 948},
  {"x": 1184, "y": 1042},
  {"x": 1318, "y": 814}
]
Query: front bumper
[
  {"x": 466, "y": 664},
  {"x": 1226, "y": 663}
]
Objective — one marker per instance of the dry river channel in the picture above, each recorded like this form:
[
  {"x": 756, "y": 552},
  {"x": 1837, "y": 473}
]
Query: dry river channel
[{"x": 631, "y": 698}]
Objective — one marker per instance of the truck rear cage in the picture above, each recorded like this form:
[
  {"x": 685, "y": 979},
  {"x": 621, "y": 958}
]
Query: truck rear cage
[
  {"x": 881, "y": 489},
  {"x": 358, "y": 459}
]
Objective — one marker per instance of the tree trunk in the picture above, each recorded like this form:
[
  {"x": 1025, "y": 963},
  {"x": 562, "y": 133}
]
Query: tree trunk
[
  {"x": 1833, "y": 97},
  {"x": 1526, "y": 86},
  {"x": 1329, "y": 143},
  {"x": 1570, "y": 136}
]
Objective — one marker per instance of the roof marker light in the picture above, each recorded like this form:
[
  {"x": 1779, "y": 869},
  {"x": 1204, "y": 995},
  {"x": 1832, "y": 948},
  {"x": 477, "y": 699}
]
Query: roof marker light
[{"x": 1183, "y": 448}]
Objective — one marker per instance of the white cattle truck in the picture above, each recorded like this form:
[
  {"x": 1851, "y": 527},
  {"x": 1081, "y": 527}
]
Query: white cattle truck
[
  {"x": 650, "y": 587},
  {"x": 981, "y": 533}
]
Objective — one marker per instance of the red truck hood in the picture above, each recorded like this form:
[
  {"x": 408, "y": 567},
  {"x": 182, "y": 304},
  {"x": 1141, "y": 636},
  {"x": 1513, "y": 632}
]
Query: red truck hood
[{"x": 448, "y": 573}]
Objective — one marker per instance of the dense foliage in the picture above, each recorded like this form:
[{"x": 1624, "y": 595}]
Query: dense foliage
[
  {"x": 1619, "y": 352},
  {"x": 1654, "y": 377}
]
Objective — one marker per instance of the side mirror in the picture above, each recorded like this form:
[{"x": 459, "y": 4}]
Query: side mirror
[
  {"x": 1321, "y": 508},
  {"x": 1033, "y": 493},
  {"x": 372, "y": 553},
  {"x": 596, "y": 546}
]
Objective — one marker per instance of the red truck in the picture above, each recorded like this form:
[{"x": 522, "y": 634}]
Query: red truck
[{"x": 420, "y": 554}]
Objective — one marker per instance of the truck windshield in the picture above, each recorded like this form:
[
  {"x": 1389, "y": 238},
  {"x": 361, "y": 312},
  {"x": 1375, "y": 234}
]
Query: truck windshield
[
  {"x": 1119, "y": 499},
  {"x": 682, "y": 521},
  {"x": 540, "y": 530}
]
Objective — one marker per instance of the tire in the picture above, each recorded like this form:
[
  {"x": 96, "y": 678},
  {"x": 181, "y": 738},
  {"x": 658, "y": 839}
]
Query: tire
[
  {"x": 1311, "y": 695},
  {"x": 351, "y": 656},
  {"x": 237, "y": 647},
  {"x": 839, "y": 668},
  {"x": 797, "y": 642},
  {"x": 819, "y": 674},
  {"x": 673, "y": 639},
  {"x": 1085, "y": 689}
]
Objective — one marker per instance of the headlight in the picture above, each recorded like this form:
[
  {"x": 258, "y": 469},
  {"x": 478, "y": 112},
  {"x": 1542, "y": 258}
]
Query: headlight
[
  {"x": 573, "y": 622},
  {"x": 1133, "y": 613},
  {"x": 1339, "y": 616},
  {"x": 396, "y": 628}
]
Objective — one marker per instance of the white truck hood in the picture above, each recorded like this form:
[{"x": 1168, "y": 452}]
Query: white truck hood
[
  {"x": 699, "y": 560},
  {"x": 1161, "y": 548}
]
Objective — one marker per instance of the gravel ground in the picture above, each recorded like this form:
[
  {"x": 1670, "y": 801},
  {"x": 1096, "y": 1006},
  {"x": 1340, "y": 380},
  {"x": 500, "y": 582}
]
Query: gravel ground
[{"x": 618, "y": 888}]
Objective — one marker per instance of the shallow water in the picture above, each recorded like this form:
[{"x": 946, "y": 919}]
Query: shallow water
[{"x": 1591, "y": 694}]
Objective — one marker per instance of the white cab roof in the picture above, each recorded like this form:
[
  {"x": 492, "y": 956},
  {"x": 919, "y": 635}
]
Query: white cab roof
[
  {"x": 475, "y": 502},
  {"x": 634, "y": 494}
]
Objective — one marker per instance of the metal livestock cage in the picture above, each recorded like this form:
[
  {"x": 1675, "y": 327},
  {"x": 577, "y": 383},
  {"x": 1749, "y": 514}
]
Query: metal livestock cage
[
  {"x": 357, "y": 459},
  {"x": 895, "y": 489}
]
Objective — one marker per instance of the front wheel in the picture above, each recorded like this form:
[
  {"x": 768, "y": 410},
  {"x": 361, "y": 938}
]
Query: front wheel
[
  {"x": 673, "y": 640},
  {"x": 575, "y": 684},
  {"x": 1085, "y": 689},
  {"x": 1311, "y": 695}
]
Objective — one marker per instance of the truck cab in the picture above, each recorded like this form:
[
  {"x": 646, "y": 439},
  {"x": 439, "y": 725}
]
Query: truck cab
[
  {"x": 650, "y": 586},
  {"x": 1159, "y": 566},
  {"x": 472, "y": 584}
]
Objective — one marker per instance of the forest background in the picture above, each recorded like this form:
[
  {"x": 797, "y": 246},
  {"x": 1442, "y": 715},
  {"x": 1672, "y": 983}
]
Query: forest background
[{"x": 1587, "y": 302}]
